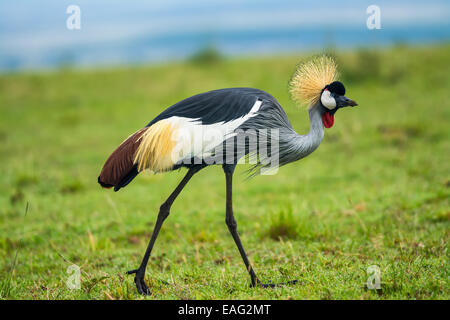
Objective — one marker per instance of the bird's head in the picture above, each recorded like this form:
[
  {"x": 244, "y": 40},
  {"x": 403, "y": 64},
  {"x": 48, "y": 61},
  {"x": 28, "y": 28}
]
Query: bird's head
[
  {"x": 315, "y": 83},
  {"x": 333, "y": 98}
]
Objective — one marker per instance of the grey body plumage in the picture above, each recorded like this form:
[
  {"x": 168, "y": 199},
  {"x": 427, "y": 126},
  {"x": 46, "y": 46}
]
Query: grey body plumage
[
  {"x": 299, "y": 146},
  {"x": 291, "y": 145}
]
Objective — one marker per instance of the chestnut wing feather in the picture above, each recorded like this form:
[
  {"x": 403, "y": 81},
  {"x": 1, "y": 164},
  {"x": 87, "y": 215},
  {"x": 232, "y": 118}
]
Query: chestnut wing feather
[{"x": 120, "y": 162}]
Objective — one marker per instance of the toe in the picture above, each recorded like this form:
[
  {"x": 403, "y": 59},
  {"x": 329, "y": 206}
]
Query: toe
[{"x": 141, "y": 286}]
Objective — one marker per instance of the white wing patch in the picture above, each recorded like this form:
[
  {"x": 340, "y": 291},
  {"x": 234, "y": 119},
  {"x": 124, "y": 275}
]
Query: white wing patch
[{"x": 194, "y": 139}]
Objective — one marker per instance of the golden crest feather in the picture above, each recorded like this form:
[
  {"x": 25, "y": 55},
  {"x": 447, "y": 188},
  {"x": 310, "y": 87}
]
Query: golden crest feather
[
  {"x": 155, "y": 148},
  {"x": 310, "y": 78}
]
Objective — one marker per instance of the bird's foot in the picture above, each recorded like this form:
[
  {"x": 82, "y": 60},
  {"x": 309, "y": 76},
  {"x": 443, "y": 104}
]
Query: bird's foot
[
  {"x": 273, "y": 285},
  {"x": 139, "y": 280}
]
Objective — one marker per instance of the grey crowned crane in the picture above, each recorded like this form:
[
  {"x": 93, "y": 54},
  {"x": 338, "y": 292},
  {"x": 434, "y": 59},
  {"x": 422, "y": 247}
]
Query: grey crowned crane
[{"x": 196, "y": 132}]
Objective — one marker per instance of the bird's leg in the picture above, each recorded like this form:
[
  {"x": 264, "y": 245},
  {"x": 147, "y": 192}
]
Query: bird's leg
[
  {"x": 232, "y": 226},
  {"x": 164, "y": 211}
]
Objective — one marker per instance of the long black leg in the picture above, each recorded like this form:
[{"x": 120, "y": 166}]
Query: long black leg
[
  {"x": 164, "y": 211},
  {"x": 231, "y": 222},
  {"x": 232, "y": 226}
]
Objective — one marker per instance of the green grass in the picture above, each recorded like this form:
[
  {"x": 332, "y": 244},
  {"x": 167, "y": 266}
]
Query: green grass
[{"x": 376, "y": 192}]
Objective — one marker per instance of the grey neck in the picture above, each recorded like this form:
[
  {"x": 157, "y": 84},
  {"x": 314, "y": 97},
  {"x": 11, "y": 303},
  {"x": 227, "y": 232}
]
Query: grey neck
[{"x": 303, "y": 145}]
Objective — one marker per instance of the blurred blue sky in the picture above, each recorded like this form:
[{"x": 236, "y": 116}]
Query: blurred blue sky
[{"x": 33, "y": 34}]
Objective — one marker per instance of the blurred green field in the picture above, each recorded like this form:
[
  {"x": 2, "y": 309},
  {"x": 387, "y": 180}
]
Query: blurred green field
[{"x": 376, "y": 192}]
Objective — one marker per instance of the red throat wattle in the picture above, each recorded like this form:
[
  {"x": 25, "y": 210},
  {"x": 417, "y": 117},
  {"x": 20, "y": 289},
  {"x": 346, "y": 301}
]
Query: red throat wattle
[{"x": 327, "y": 119}]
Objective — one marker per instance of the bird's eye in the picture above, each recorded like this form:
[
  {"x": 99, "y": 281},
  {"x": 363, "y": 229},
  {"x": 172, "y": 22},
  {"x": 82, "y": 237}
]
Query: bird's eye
[{"x": 328, "y": 100}]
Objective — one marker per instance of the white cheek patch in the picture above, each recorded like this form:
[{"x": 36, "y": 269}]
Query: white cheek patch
[{"x": 327, "y": 100}]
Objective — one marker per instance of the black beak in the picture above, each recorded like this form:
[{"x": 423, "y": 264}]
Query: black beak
[{"x": 343, "y": 101}]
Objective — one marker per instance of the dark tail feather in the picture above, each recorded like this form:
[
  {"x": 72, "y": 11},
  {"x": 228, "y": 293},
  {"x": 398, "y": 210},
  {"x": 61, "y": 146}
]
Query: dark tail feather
[
  {"x": 127, "y": 179},
  {"x": 104, "y": 185},
  {"x": 120, "y": 169}
]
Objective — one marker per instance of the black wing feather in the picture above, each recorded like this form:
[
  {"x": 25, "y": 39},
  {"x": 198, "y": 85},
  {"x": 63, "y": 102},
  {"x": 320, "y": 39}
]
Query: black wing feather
[{"x": 216, "y": 106}]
